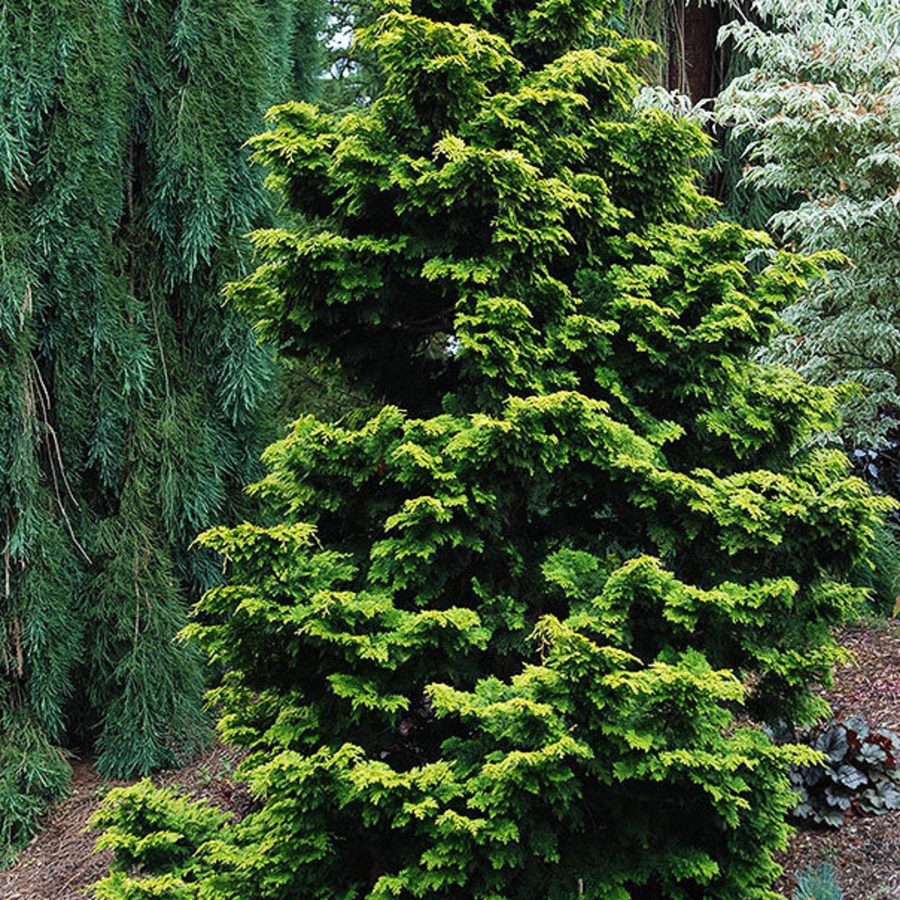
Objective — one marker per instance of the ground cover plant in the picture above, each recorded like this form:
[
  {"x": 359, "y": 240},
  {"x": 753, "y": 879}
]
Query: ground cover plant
[
  {"x": 493, "y": 638},
  {"x": 859, "y": 773},
  {"x": 818, "y": 883}
]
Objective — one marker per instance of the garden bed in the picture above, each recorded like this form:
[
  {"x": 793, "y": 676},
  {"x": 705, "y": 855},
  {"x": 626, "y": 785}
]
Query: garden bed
[
  {"x": 60, "y": 863},
  {"x": 865, "y": 851}
]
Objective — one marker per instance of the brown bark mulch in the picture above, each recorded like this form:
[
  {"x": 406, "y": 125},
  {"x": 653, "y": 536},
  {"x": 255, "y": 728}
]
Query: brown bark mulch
[
  {"x": 865, "y": 851},
  {"x": 59, "y": 864}
]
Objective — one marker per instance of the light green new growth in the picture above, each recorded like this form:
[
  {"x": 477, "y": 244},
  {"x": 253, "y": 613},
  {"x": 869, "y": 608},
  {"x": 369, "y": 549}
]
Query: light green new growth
[{"x": 500, "y": 636}]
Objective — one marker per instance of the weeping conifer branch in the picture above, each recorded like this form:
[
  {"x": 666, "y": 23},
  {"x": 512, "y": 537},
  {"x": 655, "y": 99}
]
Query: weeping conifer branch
[{"x": 126, "y": 195}]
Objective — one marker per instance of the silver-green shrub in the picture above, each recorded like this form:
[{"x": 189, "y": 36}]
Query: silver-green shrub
[{"x": 822, "y": 104}]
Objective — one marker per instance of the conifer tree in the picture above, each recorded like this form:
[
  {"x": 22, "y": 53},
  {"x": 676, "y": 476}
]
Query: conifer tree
[
  {"x": 130, "y": 401},
  {"x": 494, "y": 639}
]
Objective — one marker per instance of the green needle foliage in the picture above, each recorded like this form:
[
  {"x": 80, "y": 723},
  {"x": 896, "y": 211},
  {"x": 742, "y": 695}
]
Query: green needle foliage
[
  {"x": 130, "y": 401},
  {"x": 501, "y": 637}
]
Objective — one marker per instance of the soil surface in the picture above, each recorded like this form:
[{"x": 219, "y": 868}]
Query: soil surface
[
  {"x": 865, "y": 852},
  {"x": 60, "y": 863}
]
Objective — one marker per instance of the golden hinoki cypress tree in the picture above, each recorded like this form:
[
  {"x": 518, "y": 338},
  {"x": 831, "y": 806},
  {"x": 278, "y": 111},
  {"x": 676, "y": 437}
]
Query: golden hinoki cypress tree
[{"x": 492, "y": 639}]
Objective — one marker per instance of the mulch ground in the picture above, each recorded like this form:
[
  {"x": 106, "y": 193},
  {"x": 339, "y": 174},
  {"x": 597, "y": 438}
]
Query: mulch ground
[
  {"x": 60, "y": 863},
  {"x": 865, "y": 851}
]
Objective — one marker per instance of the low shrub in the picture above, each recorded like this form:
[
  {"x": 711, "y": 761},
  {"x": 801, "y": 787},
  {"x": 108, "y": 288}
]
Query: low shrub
[
  {"x": 152, "y": 830},
  {"x": 818, "y": 883}
]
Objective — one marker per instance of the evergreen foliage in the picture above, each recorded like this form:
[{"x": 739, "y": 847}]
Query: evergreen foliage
[
  {"x": 492, "y": 640},
  {"x": 666, "y": 23},
  {"x": 822, "y": 104},
  {"x": 130, "y": 401},
  {"x": 818, "y": 883}
]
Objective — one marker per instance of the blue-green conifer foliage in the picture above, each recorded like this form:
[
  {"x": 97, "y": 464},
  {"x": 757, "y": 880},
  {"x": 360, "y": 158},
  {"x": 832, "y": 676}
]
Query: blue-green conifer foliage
[
  {"x": 130, "y": 400},
  {"x": 502, "y": 636}
]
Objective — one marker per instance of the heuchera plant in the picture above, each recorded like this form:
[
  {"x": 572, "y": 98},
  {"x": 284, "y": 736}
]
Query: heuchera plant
[{"x": 859, "y": 773}]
